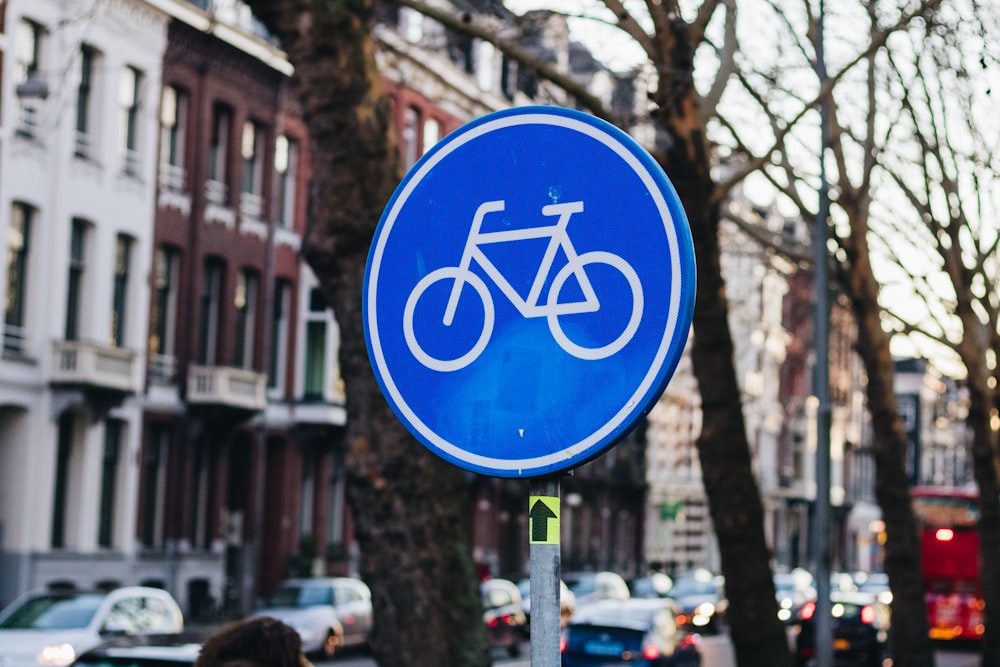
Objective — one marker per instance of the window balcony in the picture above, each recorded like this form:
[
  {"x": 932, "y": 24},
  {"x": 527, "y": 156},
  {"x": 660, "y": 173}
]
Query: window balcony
[
  {"x": 172, "y": 177},
  {"x": 236, "y": 388},
  {"x": 96, "y": 366},
  {"x": 216, "y": 192},
  {"x": 130, "y": 162},
  {"x": 162, "y": 369},
  {"x": 83, "y": 147},
  {"x": 251, "y": 205},
  {"x": 29, "y": 118},
  {"x": 319, "y": 413}
]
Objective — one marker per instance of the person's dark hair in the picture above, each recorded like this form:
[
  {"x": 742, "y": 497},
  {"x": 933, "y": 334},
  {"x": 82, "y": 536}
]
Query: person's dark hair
[{"x": 256, "y": 642}]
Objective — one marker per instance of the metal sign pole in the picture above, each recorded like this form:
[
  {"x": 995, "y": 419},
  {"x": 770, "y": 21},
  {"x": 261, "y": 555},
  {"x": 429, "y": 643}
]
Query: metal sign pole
[{"x": 543, "y": 547}]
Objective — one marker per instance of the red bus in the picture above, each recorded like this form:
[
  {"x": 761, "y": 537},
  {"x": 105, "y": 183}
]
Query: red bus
[{"x": 949, "y": 540}]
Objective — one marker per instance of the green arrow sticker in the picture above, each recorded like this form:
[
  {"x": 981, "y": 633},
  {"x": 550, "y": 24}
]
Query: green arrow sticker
[{"x": 543, "y": 515}]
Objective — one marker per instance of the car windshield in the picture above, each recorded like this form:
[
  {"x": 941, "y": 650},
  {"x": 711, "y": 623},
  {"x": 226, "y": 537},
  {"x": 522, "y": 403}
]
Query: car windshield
[
  {"x": 692, "y": 587},
  {"x": 619, "y": 616},
  {"x": 53, "y": 612},
  {"x": 582, "y": 586},
  {"x": 301, "y": 596}
]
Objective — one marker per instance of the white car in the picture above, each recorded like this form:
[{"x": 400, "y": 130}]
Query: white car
[
  {"x": 328, "y": 612},
  {"x": 54, "y": 627}
]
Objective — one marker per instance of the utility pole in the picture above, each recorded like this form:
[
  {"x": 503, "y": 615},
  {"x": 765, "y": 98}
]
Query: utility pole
[{"x": 821, "y": 381}]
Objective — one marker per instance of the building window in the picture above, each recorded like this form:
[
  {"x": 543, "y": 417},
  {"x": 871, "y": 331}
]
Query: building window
[
  {"x": 129, "y": 95},
  {"x": 18, "y": 250},
  {"x": 28, "y": 78},
  {"x": 119, "y": 297},
  {"x": 154, "y": 458},
  {"x": 280, "y": 318},
  {"x": 432, "y": 133},
  {"x": 60, "y": 494},
  {"x": 218, "y": 155},
  {"x": 307, "y": 489},
  {"x": 109, "y": 482},
  {"x": 163, "y": 315},
  {"x": 211, "y": 301},
  {"x": 317, "y": 374},
  {"x": 246, "y": 316},
  {"x": 485, "y": 71},
  {"x": 315, "y": 361},
  {"x": 252, "y": 152},
  {"x": 74, "y": 283},
  {"x": 173, "y": 126},
  {"x": 336, "y": 510},
  {"x": 411, "y": 137},
  {"x": 286, "y": 157},
  {"x": 251, "y": 149},
  {"x": 411, "y": 24},
  {"x": 84, "y": 102}
]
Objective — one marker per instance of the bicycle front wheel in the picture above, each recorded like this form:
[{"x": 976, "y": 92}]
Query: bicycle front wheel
[
  {"x": 634, "y": 316},
  {"x": 414, "y": 310}
]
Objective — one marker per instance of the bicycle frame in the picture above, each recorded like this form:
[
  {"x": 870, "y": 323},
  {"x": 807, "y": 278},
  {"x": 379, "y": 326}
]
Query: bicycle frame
[{"x": 559, "y": 238}]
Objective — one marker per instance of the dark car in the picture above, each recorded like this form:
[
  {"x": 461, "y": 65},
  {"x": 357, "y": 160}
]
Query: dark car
[
  {"x": 655, "y": 585},
  {"x": 638, "y": 632},
  {"x": 792, "y": 590},
  {"x": 506, "y": 624},
  {"x": 860, "y": 625},
  {"x": 172, "y": 650},
  {"x": 701, "y": 601}
]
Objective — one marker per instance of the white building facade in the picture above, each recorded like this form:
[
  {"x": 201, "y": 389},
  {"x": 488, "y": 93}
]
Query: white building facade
[{"x": 78, "y": 158}]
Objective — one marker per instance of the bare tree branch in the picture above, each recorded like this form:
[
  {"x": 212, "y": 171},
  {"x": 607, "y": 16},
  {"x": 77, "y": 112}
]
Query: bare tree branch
[{"x": 513, "y": 49}]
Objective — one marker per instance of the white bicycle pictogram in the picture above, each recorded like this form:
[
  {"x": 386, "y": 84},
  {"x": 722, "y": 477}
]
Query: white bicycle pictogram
[{"x": 531, "y": 305}]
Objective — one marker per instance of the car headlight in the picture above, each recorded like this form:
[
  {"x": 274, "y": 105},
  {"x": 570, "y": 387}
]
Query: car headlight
[
  {"x": 705, "y": 609},
  {"x": 56, "y": 654}
]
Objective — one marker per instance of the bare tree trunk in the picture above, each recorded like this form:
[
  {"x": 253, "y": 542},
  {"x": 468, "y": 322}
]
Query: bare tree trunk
[
  {"x": 910, "y": 641},
  {"x": 757, "y": 634},
  {"x": 973, "y": 351},
  {"x": 410, "y": 509}
]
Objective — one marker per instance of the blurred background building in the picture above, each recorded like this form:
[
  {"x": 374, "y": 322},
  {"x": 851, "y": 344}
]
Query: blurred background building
[{"x": 171, "y": 410}]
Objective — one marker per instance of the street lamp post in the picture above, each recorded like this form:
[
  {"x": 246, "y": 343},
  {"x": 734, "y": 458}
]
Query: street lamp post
[{"x": 821, "y": 380}]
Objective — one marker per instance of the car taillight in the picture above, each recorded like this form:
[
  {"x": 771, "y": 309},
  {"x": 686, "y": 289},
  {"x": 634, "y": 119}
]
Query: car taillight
[
  {"x": 867, "y": 615},
  {"x": 808, "y": 609},
  {"x": 508, "y": 619},
  {"x": 682, "y": 619},
  {"x": 650, "y": 652},
  {"x": 493, "y": 622},
  {"x": 688, "y": 641},
  {"x": 562, "y": 644}
]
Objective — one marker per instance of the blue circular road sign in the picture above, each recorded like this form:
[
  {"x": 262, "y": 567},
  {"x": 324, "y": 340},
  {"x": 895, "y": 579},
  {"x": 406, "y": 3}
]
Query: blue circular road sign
[{"x": 529, "y": 291}]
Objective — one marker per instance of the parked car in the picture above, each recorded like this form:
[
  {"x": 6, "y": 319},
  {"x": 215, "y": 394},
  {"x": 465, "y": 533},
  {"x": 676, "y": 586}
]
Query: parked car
[
  {"x": 567, "y": 601},
  {"x": 874, "y": 582},
  {"x": 590, "y": 587},
  {"x": 329, "y": 613},
  {"x": 54, "y": 627},
  {"x": 701, "y": 601},
  {"x": 655, "y": 585},
  {"x": 506, "y": 623},
  {"x": 792, "y": 590},
  {"x": 638, "y": 632},
  {"x": 860, "y": 625},
  {"x": 171, "y": 650}
]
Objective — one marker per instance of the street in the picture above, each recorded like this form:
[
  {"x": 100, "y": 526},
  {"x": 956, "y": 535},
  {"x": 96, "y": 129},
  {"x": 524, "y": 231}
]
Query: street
[{"x": 716, "y": 652}]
